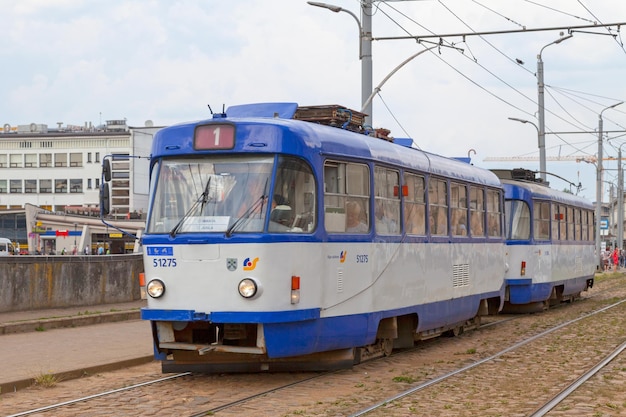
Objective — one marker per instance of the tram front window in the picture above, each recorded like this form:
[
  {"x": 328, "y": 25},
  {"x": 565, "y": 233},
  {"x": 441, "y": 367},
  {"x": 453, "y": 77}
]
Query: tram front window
[
  {"x": 518, "y": 227},
  {"x": 209, "y": 195},
  {"x": 230, "y": 195}
]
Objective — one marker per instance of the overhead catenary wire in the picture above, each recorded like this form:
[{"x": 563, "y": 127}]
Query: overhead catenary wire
[
  {"x": 559, "y": 11},
  {"x": 621, "y": 44},
  {"x": 491, "y": 72}
]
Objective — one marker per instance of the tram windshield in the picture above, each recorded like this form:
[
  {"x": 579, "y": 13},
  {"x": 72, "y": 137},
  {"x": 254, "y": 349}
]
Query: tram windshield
[
  {"x": 231, "y": 195},
  {"x": 518, "y": 226}
]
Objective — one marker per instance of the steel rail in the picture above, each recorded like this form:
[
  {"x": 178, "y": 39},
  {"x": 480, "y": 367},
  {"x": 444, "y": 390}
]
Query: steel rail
[{"x": 480, "y": 362}]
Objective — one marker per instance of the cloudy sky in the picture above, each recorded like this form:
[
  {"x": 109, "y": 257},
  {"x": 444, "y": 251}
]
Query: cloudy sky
[{"x": 76, "y": 61}]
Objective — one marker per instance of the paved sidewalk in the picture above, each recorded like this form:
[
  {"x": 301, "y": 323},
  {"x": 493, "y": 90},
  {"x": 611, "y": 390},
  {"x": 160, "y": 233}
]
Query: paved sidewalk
[
  {"x": 38, "y": 320},
  {"x": 68, "y": 343}
]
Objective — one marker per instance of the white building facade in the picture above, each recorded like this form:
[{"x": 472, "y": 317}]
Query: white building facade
[{"x": 60, "y": 169}]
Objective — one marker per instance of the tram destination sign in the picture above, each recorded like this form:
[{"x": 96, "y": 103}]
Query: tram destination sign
[{"x": 214, "y": 136}]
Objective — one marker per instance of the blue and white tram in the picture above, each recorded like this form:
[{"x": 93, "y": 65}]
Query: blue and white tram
[
  {"x": 550, "y": 245},
  {"x": 274, "y": 243}
]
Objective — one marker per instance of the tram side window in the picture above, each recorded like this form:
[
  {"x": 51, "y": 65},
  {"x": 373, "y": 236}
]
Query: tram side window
[
  {"x": 494, "y": 213},
  {"x": 387, "y": 201},
  {"x": 438, "y": 206},
  {"x": 477, "y": 211},
  {"x": 569, "y": 211},
  {"x": 561, "y": 220},
  {"x": 585, "y": 222},
  {"x": 458, "y": 204},
  {"x": 293, "y": 203},
  {"x": 554, "y": 221},
  {"x": 346, "y": 197},
  {"x": 518, "y": 226},
  {"x": 415, "y": 205},
  {"x": 577, "y": 224},
  {"x": 541, "y": 217}
]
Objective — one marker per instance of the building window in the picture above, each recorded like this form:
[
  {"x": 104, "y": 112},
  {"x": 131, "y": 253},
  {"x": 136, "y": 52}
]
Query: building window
[
  {"x": 3, "y": 161},
  {"x": 45, "y": 186},
  {"x": 45, "y": 160},
  {"x": 97, "y": 182},
  {"x": 76, "y": 186},
  {"x": 30, "y": 160},
  {"x": 3, "y": 186},
  {"x": 60, "y": 159},
  {"x": 89, "y": 183},
  {"x": 97, "y": 155},
  {"x": 16, "y": 186},
  {"x": 60, "y": 186},
  {"x": 76, "y": 159},
  {"x": 89, "y": 157},
  {"x": 16, "y": 161},
  {"x": 30, "y": 186}
]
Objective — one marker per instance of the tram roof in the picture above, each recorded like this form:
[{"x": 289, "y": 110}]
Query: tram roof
[
  {"x": 528, "y": 190},
  {"x": 270, "y": 128}
]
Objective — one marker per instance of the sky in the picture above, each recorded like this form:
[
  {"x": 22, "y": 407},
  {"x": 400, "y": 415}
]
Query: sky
[{"x": 167, "y": 61}]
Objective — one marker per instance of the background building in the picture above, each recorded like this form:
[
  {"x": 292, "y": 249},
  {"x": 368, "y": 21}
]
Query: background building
[{"x": 59, "y": 170}]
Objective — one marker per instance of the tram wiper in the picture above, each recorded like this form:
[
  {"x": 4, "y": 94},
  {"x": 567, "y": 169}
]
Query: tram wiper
[
  {"x": 205, "y": 195},
  {"x": 245, "y": 217},
  {"x": 204, "y": 199}
]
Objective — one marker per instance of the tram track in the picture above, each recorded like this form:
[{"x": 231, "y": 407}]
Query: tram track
[
  {"x": 98, "y": 395},
  {"x": 538, "y": 336},
  {"x": 213, "y": 410},
  {"x": 170, "y": 379},
  {"x": 430, "y": 382},
  {"x": 557, "y": 399},
  {"x": 195, "y": 395}
]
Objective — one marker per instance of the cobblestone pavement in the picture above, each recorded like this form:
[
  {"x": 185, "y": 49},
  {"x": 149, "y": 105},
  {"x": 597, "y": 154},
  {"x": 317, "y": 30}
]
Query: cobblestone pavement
[{"x": 514, "y": 384}]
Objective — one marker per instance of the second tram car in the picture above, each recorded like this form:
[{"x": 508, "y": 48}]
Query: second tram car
[
  {"x": 550, "y": 244},
  {"x": 274, "y": 243}
]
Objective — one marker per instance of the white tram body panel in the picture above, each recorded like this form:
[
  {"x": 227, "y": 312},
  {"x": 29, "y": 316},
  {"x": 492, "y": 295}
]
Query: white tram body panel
[{"x": 355, "y": 284}]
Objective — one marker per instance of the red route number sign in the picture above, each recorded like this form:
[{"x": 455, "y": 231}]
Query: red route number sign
[{"x": 214, "y": 136}]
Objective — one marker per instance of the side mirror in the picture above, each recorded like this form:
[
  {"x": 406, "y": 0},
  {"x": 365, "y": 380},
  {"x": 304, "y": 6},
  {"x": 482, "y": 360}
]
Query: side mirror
[
  {"x": 105, "y": 200},
  {"x": 106, "y": 169}
]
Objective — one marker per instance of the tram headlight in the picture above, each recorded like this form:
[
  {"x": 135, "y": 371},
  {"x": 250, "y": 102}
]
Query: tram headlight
[
  {"x": 248, "y": 288},
  {"x": 155, "y": 288}
]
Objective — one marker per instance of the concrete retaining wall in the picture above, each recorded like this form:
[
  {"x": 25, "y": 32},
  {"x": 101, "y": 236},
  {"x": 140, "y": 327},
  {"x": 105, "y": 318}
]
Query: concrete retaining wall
[{"x": 39, "y": 282}]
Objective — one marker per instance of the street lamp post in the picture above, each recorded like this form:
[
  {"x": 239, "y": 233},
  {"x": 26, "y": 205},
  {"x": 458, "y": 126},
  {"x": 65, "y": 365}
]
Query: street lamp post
[
  {"x": 541, "y": 130},
  {"x": 75, "y": 247},
  {"x": 365, "y": 49},
  {"x": 599, "y": 186},
  {"x": 542, "y": 171},
  {"x": 620, "y": 199},
  {"x": 368, "y": 101}
]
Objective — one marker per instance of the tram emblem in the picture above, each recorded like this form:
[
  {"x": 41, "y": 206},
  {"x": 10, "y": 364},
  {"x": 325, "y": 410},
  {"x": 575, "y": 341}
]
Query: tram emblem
[
  {"x": 249, "y": 265},
  {"x": 231, "y": 264}
]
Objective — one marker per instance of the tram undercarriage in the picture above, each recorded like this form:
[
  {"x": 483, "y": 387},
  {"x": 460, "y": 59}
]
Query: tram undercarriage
[{"x": 209, "y": 348}]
